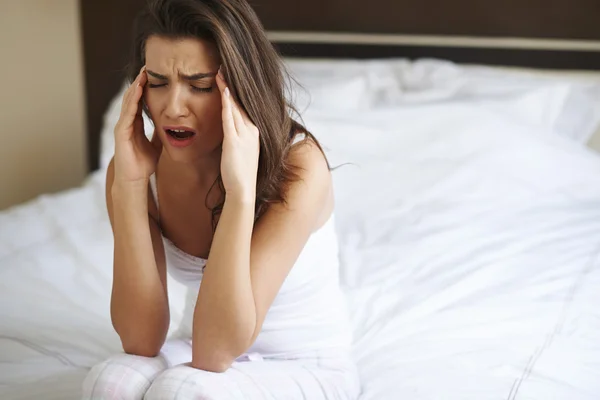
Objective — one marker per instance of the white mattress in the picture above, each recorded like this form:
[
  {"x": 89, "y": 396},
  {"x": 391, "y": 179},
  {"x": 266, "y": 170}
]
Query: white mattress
[{"x": 470, "y": 241}]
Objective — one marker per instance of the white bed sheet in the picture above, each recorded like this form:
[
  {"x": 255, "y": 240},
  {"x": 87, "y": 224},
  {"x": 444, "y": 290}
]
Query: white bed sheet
[
  {"x": 469, "y": 247},
  {"x": 55, "y": 279},
  {"x": 472, "y": 268}
]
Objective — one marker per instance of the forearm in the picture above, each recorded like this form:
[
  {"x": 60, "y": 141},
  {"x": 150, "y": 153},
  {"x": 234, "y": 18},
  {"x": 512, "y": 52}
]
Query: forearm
[
  {"x": 225, "y": 314},
  {"x": 139, "y": 304}
]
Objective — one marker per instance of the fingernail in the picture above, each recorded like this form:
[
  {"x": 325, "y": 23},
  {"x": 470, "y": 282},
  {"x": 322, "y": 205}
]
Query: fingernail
[
  {"x": 220, "y": 72},
  {"x": 227, "y": 91}
]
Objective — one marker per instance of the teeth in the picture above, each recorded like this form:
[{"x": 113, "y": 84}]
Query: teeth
[{"x": 178, "y": 130}]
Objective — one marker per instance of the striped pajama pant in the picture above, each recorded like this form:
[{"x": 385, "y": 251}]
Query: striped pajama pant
[{"x": 318, "y": 375}]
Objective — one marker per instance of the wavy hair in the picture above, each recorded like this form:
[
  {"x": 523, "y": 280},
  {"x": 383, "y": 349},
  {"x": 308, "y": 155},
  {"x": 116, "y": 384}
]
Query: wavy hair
[{"x": 255, "y": 74}]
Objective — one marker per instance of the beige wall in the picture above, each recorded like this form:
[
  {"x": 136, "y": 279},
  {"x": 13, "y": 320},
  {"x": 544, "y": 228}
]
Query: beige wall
[{"x": 42, "y": 146}]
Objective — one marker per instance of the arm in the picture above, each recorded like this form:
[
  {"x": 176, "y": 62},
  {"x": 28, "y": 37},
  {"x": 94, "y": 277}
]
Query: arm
[
  {"x": 247, "y": 266},
  {"x": 139, "y": 303}
]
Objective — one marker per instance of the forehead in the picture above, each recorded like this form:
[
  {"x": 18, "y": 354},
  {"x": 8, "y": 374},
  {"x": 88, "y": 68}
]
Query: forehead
[{"x": 184, "y": 52}]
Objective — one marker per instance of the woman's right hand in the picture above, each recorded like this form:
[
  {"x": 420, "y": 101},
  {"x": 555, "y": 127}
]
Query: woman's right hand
[{"x": 135, "y": 156}]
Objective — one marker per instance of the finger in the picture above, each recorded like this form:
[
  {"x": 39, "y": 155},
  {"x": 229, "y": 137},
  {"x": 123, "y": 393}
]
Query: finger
[
  {"x": 142, "y": 84},
  {"x": 142, "y": 76},
  {"x": 132, "y": 108},
  {"x": 227, "y": 115},
  {"x": 243, "y": 115},
  {"x": 132, "y": 88},
  {"x": 240, "y": 125},
  {"x": 239, "y": 112},
  {"x": 219, "y": 78},
  {"x": 125, "y": 102},
  {"x": 226, "y": 102}
]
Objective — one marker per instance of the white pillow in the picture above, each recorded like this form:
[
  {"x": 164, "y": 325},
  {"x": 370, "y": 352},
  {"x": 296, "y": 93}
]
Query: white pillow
[
  {"x": 566, "y": 105},
  {"x": 562, "y": 105}
]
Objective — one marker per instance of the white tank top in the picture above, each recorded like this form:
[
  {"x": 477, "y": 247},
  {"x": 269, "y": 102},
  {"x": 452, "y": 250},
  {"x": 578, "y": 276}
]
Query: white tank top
[{"x": 309, "y": 312}]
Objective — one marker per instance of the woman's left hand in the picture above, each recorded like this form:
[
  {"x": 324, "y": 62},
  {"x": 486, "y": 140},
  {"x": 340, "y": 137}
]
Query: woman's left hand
[{"x": 239, "y": 158}]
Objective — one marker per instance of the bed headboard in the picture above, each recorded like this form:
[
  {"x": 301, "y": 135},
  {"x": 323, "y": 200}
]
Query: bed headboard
[{"x": 558, "y": 34}]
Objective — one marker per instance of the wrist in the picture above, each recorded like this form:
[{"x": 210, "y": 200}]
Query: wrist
[
  {"x": 129, "y": 192},
  {"x": 241, "y": 198},
  {"x": 129, "y": 187},
  {"x": 129, "y": 205}
]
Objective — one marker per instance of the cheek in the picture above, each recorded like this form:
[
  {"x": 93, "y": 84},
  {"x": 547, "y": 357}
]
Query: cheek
[{"x": 209, "y": 110}]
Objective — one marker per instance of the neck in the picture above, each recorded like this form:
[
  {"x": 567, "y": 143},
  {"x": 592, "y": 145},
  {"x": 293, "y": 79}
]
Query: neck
[{"x": 198, "y": 174}]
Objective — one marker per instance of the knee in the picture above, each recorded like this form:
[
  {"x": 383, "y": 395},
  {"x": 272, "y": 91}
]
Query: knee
[
  {"x": 184, "y": 382},
  {"x": 122, "y": 376}
]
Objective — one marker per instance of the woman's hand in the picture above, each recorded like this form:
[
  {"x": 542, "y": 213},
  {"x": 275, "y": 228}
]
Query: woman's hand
[
  {"x": 239, "y": 159},
  {"x": 135, "y": 156}
]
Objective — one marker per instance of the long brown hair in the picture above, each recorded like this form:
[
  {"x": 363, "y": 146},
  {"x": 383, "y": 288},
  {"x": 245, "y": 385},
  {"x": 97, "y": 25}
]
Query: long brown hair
[{"x": 256, "y": 75}]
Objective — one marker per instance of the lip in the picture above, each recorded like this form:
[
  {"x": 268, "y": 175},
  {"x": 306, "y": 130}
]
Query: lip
[
  {"x": 176, "y": 142},
  {"x": 179, "y": 127}
]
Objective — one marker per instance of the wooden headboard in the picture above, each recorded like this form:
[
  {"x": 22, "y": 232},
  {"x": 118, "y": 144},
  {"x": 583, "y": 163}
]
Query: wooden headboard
[{"x": 557, "y": 34}]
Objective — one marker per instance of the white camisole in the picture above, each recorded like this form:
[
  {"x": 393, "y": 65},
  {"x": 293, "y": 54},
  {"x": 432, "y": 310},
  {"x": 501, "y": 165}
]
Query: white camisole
[{"x": 309, "y": 313}]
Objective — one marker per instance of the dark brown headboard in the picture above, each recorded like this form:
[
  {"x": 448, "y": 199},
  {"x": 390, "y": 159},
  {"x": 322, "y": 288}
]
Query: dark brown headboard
[{"x": 558, "y": 34}]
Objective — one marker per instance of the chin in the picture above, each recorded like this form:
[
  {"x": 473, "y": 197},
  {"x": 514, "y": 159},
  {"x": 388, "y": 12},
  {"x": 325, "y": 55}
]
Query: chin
[
  {"x": 184, "y": 156},
  {"x": 191, "y": 154}
]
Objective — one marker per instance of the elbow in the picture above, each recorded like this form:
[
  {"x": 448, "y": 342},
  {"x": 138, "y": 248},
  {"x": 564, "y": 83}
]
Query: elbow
[
  {"x": 213, "y": 360},
  {"x": 141, "y": 350},
  {"x": 142, "y": 342},
  {"x": 219, "y": 355}
]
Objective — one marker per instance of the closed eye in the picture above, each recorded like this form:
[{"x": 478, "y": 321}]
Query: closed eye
[
  {"x": 204, "y": 90},
  {"x": 194, "y": 88}
]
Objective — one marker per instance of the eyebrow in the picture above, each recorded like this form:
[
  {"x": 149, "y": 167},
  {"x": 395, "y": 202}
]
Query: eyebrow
[{"x": 193, "y": 77}]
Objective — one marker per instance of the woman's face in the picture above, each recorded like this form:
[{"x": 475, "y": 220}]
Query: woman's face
[{"x": 182, "y": 96}]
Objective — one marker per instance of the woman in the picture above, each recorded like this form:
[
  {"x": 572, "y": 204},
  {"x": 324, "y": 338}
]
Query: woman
[{"x": 234, "y": 199}]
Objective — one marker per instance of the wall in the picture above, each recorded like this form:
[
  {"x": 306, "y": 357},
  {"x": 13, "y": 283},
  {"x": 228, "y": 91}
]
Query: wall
[{"x": 42, "y": 136}]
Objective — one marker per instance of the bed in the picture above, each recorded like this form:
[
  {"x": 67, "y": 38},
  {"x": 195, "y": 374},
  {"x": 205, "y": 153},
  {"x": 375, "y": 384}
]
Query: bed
[{"x": 471, "y": 268}]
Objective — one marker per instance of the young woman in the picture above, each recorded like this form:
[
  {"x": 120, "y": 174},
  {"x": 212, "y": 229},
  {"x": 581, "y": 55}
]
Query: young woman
[{"x": 233, "y": 198}]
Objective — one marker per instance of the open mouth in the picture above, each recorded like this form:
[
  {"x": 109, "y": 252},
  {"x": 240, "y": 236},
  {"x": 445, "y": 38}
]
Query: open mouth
[{"x": 179, "y": 134}]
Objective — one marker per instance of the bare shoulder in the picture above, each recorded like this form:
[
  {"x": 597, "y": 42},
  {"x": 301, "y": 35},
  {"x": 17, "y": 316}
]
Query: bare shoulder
[
  {"x": 310, "y": 162},
  {"x": 314, "y": 184}
]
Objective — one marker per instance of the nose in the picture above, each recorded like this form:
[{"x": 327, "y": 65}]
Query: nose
[{"x": 176, "y": 104}]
